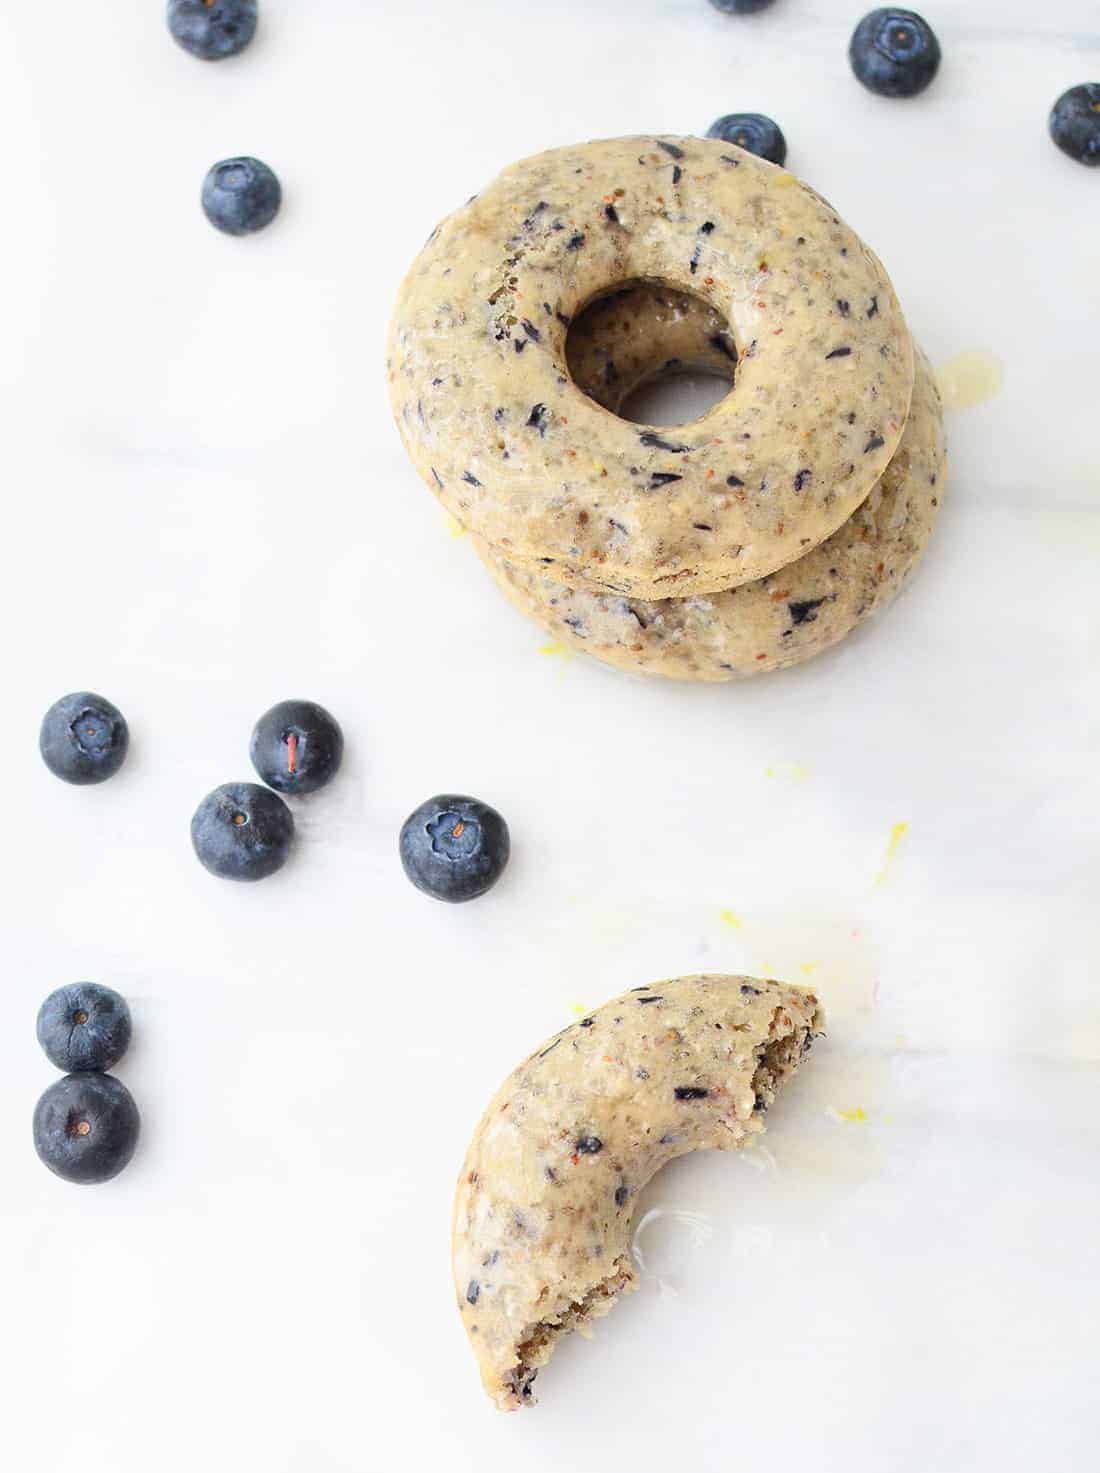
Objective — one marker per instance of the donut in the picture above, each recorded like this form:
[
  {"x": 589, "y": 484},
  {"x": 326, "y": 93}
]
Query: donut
[
  {"x": 482, "y": 395},
  {"x": 545, "y": 1206},
  {"x": 780, "y": 620}
]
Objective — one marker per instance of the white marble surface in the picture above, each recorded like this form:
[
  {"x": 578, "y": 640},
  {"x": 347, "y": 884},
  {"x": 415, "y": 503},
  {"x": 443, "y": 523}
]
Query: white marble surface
[{"x": 207, "y": 510}]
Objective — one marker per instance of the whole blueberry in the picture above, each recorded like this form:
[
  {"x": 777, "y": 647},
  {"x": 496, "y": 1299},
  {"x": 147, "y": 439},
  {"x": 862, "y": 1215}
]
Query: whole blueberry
[
  {"x": 242, "y": 832},
  {"x": 754, "y": 132},
  {"x": 297, "y": 747},
  {"x": 1075, "y": 123},
  {"x": 86, "y": 1127},
  {"x": 83, "y": 738},
  {"x": 454, "y": 848},
  {"x": 740, "y": 7},
  {"x": 212, "y": 29},
  {"x": 84, "y": 1027},
  {"x": 894, "y": 53},
  {"x": 241, "y": 196}
]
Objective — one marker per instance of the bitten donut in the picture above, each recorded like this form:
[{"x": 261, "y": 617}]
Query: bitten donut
[
  {"x": 780, "y": 620},
  {"x": 545, "y": 1206},
  {"x": 494, "y": 423}
]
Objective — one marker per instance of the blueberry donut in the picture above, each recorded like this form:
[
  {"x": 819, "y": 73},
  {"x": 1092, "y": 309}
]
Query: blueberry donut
[
  {"x": 780, "y": 620},
  {"x": 497, "y": 427},
  {"x": 545, "y": 1205}
]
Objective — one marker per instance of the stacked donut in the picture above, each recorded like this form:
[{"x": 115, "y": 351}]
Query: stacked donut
[{"x": 751, "y": 538}]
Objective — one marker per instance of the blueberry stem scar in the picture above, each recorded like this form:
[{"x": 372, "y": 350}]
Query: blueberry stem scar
[
  {"x": 292, "y": 752},
  {"x": 454, "y": 847}
]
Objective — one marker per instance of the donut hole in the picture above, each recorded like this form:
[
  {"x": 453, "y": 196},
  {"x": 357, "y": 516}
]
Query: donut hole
[
  {"x": 652, "y": 353},
  {"x": 678, "y": 397}
]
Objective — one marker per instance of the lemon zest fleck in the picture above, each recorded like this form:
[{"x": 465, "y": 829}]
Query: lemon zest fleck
[{"x": 897, "y": 834}]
